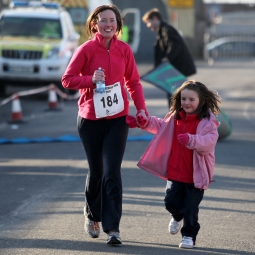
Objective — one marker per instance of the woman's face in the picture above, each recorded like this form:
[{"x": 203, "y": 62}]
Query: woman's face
[
  {"x": 107, "y": 24},
  {"x": 189, "y": 101}
]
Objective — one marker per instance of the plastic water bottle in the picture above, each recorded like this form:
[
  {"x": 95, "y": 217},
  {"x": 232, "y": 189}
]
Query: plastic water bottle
[{"x": 100, "y": 85}]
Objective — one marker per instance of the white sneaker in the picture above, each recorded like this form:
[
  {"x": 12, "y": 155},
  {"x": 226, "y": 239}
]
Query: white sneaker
[
  {"x": 174, "y": 226},
  {"x": 187, "y": 242},
  {"x": 113, "y": 238},
  {"x": 91, "y": 227}
]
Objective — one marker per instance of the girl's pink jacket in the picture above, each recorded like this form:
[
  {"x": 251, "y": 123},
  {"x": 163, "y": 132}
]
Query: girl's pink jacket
[{"x": 155, "y": 158}]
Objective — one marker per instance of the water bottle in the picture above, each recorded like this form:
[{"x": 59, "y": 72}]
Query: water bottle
[{"x": 100, "y": 85}]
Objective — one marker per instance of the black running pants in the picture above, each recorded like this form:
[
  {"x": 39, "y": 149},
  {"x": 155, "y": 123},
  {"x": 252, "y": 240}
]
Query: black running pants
[{"x": 104, "y": 142}]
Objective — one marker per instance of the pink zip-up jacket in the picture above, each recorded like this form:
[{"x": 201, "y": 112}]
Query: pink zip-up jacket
[
  {"x": 156, "y": 156},
  {"x": 119, "y": 66}
]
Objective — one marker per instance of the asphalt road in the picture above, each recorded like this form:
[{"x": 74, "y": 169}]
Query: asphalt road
[{"x": 42, "y": 183}]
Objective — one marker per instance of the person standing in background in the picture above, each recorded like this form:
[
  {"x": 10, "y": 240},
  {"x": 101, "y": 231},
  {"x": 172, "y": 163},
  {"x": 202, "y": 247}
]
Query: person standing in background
[
  {"x": 102, "y": 116},
  {"x": 169, "y": 45}
]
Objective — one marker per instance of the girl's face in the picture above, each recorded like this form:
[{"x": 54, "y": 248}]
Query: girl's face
[
  {"x": 189, "y": 101},
  {"x": 107, "y": 24}
]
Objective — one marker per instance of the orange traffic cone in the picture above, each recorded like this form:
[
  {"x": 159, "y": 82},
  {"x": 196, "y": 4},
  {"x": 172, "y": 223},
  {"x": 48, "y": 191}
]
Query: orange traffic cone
[
  {"x": 52, "y": 99},
  {"x": 16, "y": 110}
]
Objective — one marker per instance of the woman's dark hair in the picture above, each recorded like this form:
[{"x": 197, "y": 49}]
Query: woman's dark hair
[
  {"x": 208, "y": 100},
  {"x": 93, "y": 18},
  {"x": 151, "y": 14}
]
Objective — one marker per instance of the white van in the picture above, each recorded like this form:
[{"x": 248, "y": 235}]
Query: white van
[{"x": 36, "y": 44}]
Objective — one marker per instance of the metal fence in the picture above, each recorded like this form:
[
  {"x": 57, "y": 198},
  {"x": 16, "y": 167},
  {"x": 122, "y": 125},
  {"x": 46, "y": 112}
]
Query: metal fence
[{"x": 229, "y": 46}]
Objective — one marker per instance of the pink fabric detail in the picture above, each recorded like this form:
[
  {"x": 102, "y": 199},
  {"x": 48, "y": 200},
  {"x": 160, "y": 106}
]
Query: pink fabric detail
[{"x": 154, "y": 159}]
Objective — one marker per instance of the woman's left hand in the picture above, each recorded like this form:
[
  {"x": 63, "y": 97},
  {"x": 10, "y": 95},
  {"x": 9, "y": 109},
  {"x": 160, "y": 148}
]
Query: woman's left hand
[{"x": 131, "y": 121}]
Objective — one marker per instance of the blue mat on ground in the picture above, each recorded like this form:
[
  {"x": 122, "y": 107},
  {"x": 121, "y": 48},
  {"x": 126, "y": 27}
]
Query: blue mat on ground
[{"x": 64, "y": 138}]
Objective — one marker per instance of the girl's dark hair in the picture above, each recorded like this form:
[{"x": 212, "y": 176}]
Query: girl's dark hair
[
  {"x": 93, "y": 18},
  {"x": 208, "y": 100}
]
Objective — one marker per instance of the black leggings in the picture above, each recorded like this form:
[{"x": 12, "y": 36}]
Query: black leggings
[{"x": 104, "y": 142}]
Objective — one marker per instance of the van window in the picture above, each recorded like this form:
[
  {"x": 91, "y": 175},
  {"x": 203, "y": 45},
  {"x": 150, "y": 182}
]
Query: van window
[{"x": 27, "y": 26}]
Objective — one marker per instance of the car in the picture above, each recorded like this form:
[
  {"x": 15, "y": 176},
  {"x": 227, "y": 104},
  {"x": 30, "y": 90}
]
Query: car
[
  {"x": 37, "y": 43},
  {"x": 230, "y": 48}
]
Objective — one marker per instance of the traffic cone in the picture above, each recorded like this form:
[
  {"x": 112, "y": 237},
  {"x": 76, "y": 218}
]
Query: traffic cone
[
  {"x": 16, "y": 110},
  {"x": 52, "y": 99}
]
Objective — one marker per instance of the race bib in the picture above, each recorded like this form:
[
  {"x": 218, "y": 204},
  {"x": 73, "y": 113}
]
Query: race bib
[{"x": 110, "y": 102}]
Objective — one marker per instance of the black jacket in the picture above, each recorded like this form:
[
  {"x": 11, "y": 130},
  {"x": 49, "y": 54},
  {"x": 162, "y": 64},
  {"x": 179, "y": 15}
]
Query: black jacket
[{"x": 171, "y": 45}]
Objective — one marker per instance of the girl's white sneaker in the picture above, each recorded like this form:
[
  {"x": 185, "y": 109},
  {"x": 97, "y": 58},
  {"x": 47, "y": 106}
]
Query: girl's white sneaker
[
  {"x": 187, "y": 243},
  {"x": 174, "y": 226}
]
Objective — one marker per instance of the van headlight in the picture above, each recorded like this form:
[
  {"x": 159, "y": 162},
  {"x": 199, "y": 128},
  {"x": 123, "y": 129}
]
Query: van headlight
[{"x": 54, "y": 53}]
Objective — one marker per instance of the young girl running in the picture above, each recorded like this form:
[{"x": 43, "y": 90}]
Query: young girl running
[{"x": 182, "y": 152}]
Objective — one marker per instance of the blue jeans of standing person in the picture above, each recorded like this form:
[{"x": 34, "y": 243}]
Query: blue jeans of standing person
[
  {"x": 104, "y": 141},
  {"x": 182, "y": 201}
]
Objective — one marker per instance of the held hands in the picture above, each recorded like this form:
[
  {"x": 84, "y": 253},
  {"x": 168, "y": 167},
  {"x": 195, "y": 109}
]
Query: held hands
[
  {"x": 131, "y": 121},
  {"x": 142, "y": 118},
  {"x": 183, "y": 138}
]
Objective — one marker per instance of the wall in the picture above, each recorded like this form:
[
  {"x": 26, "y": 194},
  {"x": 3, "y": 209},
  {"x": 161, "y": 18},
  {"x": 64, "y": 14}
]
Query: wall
[
  {"x": 188, "y": 21},
  {"x": 147, "y": 39}
]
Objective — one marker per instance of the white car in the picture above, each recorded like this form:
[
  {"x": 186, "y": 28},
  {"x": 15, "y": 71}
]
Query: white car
[{"x": 37, "y": 42}]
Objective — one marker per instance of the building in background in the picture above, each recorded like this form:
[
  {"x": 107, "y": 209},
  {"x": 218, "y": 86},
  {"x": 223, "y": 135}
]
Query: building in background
[
  {"x": 229, "y": 17},
  {"x": 4, "y": 4},
  {"x": 199, "y": 21},
  {"x": 79, "y": 11},
  {"x": 187, "y": 16},
  {"x": 230, "y": 32}
]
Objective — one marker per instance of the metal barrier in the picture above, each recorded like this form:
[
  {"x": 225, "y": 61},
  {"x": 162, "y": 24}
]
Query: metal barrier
[{"x": 229, "y": 46}]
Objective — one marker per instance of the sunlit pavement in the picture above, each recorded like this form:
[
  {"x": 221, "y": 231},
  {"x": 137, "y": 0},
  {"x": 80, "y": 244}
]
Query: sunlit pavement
[{"x": 42, "y": 184}]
